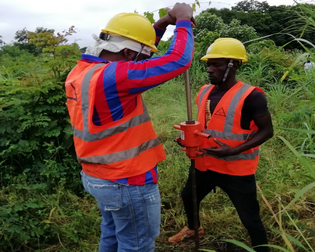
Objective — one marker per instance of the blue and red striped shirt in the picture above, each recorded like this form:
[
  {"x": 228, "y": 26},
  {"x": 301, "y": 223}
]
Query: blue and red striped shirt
[{"x": 122, "y": 81}]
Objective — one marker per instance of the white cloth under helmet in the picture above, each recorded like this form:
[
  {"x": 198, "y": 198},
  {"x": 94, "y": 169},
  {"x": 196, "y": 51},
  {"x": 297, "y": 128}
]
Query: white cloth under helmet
[{"x": 115, "y": 44}]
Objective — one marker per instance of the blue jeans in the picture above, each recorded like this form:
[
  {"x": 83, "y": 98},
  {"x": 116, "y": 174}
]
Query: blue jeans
[{"x": 131, "y": 214}]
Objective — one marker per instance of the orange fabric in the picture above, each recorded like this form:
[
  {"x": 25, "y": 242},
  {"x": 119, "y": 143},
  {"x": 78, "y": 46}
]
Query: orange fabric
[
  {"x": 112, "y": 144},
  {"x": 217, "y": 121}
]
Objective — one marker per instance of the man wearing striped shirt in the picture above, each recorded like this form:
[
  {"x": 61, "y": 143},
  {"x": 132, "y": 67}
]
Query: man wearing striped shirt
[{"x": 113, "y": 135}]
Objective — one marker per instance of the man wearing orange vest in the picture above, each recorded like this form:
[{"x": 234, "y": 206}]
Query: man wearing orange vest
[
  {"x": 236, "y": 117},
  {"x": 113, "y": 134}
]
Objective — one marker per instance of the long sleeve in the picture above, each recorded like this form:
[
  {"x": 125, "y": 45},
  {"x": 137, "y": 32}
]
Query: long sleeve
[
  {"x": 136, "y": 77},
  {"x": 122, "y": 81}
]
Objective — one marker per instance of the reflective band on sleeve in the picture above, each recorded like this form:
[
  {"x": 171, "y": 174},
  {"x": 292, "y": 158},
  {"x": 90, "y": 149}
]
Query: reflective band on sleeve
[{"x": 121, "y": 155}]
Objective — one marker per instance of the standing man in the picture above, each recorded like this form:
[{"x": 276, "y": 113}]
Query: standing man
[
  {"x": 309, "y": 65},
  {"x": 236, "y": 117},
  {"x": 113, "y": 134}
]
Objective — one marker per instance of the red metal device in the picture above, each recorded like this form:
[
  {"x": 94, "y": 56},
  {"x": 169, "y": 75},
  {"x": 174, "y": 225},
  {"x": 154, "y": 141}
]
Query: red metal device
[{"x": 191, "y": 137}]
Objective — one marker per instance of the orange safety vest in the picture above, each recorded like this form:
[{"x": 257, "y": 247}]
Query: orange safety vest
[
  {"x": 121, "y": 149},
  {"x": 225, "y": 126}
]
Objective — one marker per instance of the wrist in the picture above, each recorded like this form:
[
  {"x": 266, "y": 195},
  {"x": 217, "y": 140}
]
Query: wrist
[
  {"x": 237, "y": 150},
  {"x": 182, "y": 17},
  {"x": 161, "y": 26},
  {"x": 164, "y": 21}
]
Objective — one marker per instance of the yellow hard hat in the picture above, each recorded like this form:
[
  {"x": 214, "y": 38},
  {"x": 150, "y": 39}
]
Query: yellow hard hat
[
  {"x": 229, "y": 48},
  {"x": 133, "y": 26}
]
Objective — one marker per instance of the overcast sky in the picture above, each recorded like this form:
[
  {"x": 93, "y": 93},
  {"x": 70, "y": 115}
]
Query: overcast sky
[{"x": 88, "y": 17}]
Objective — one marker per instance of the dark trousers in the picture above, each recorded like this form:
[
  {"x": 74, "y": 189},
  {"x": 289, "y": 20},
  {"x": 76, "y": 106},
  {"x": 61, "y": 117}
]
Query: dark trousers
[{"x": 241, "y": 191}]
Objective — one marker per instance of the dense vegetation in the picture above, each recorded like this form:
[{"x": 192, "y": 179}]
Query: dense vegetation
[
  {"x": 278, "y": 21},
  {"x": 43, "y": 206}
]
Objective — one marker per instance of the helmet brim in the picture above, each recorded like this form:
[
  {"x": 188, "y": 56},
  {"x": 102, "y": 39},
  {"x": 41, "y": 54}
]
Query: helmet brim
[
  {"x": 215, "y": 56},
  {"x": 153, "y": 47}
]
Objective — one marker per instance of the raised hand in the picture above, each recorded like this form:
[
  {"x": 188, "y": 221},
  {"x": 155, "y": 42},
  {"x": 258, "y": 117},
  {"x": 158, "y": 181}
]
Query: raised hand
[
  {"x": 179, "y": 11},
  {"x": 182, "y": 11}
]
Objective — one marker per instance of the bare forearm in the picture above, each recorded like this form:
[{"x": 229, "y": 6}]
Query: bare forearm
[{"x": 259, "y": 138}]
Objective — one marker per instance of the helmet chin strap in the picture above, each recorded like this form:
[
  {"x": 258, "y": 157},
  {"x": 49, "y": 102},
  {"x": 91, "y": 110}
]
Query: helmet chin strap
[
  {"x": 137, "y": 55},
  {"x": 229, "y": 66}
]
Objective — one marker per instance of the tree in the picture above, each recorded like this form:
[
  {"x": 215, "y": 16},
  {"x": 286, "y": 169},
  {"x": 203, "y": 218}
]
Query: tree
[
  {"x": 47, "y": 41},
  {"x": 22, "y": 39},
  {"x": 208, "y": 22},
  {"x": 226, "y": 14},
  {"x": 251, "y": 5},
  {"x": 21, "y": 36},
  {"x": 277, "y": 21},
  {"x": 210, "y": 27},
  {"x": 1, "y": 41}
]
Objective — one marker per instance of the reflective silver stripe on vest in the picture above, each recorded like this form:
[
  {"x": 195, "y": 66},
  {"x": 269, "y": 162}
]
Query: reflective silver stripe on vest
[
  {"x": 88, "y": 137},
  {"x": 241, "y": 156},
  {"x": 228, "y": 135},
  {"x": 203, "y": 92},
  {"x": 228, "y": 124},
  {"x": 121, "y": 155},
  {"x": 85, "y": 96},
  {"x": 137, "y": 120}
]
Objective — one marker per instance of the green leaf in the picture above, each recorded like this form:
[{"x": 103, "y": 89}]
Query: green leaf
[
  {"x": 307, "y": 131},
  {"x": 162, "y": 12},
  {"x": 240, "y": 244},
  {"x": 302, "y": 159},
  {"x": 18, "y": 207},
  {"x": 296, "y": 242},
  {"x": 300, "y": 193},
  {"x": 193, "y": 7},
  {"x": 149, "y": 15},
  {"x": 308, "y": 155},
  {"x": 32, "y": 205},
  {"x": 278, "y": 247}
]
